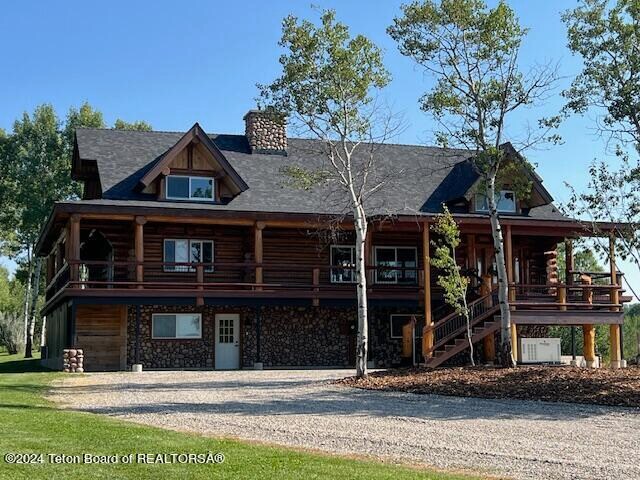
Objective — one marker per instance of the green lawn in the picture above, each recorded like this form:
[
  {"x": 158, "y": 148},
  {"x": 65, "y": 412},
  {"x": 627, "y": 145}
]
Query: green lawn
[{"x": 31, "y": 424}]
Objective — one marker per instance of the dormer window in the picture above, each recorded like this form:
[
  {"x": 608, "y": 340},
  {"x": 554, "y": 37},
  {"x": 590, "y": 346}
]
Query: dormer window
[
  {"x": 505, "y": 202},
  {"x": 182, "y": 187}
]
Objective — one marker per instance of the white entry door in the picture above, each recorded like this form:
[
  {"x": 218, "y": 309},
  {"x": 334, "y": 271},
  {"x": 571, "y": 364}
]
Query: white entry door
[{"x": 227, "y": 341}]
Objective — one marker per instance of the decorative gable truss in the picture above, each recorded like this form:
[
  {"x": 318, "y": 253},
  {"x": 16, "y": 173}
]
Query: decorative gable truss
[
  {"x": 194, "y": 156},
  {"x": 538, "y": 196}
]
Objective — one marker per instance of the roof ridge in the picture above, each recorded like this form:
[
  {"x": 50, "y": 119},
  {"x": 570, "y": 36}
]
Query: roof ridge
[{"x": 176, "y": 132}]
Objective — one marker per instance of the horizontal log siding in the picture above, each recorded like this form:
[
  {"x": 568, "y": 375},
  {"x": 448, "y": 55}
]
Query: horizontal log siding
[
  {"x": 284, "y": 247},
  {"x": 230, "y": 245}
]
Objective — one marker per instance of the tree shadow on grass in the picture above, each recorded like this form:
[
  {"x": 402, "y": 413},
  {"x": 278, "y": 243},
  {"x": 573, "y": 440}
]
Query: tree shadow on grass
[{"x": 16, "y": 364}]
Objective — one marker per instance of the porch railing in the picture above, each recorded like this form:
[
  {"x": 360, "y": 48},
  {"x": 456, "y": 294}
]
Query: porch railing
[{"x": 298, "y": 279}]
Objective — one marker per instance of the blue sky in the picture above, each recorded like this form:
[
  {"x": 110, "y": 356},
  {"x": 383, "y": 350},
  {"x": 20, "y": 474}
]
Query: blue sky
[{"x": 174, "y": 63}]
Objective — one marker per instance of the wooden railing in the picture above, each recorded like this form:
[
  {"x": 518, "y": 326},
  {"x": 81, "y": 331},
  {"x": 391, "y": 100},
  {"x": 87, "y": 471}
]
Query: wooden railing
[
  {"x": 454, "y": 324},
  {"x": 566, "y": 297},
  {"x": 299, "y": 280}
]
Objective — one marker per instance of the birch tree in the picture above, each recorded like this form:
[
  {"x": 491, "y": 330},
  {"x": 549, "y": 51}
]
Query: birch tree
[
  {"x": 328, "y": 90},
  {"x": 471, "y": 52},
  {"x": 454, "y": 284}
]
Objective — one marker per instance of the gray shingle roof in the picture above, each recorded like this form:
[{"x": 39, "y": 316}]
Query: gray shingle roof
[{"x": 419, "y": 179}]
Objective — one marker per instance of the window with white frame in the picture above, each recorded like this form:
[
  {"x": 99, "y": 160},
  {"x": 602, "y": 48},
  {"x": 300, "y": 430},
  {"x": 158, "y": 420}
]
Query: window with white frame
[
  {"x": 343, "y": 256},
  {"x": 505, "y": 202},
  {"x": 187, "y": 251},
  {"x": 182, "y": 187},
  {"x": 398, "y": 321},
  {"x": 176, "y": 325},
  {"x": 402, "y": 263}
]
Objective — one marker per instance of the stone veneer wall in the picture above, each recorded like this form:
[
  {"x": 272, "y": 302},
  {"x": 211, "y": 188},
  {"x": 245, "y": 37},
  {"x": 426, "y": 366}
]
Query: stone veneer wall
[
  {"x": 266, "y": 131},
  {"x": 290, "y": 336}
]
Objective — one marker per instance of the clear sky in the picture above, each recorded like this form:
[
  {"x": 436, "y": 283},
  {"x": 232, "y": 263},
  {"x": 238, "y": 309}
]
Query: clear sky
[{"x": 175, "y": 63}]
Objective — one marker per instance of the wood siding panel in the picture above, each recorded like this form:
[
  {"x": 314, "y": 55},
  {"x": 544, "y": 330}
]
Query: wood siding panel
[
  {"x": 230, "y": 246},
  {"x": 293, "y": 247},
  {"x": 101, "y": 333}
]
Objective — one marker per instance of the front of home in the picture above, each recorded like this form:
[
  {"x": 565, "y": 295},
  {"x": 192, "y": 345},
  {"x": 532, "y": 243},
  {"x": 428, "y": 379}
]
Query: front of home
[{"x": 190, "y": 250}]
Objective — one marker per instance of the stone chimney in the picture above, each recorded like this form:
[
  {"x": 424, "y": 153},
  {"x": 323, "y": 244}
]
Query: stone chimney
[{"x": 266, "y": 131}]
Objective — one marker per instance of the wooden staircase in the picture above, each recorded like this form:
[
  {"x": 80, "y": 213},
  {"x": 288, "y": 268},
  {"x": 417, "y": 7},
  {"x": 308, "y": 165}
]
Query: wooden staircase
[{"x": 450, "y": 333}]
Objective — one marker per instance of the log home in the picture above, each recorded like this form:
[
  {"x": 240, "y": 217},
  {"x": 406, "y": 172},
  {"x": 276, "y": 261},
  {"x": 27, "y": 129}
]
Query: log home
[{"x": 191, "y": 250}]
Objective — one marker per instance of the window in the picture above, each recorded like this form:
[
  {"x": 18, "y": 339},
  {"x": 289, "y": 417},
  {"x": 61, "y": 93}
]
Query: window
[
  {"x": 400, "y": 320},
  {"x": 187, "y": 251},
  {"x": 189, "y": 188},
  {"x": 396, "y": 258},
  {"x": 343, "y": 256},
  {"x": 176, "y": 325},
  {"x": 506, "y": 202}
]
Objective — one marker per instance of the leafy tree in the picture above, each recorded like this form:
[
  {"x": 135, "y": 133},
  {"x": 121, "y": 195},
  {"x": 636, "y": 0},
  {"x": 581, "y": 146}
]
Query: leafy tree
[
  {"x": 35, "y": 163},
  {"x": 455, "y": 285},
  {"x": 139, "y": 125},
  {"x": 327, "y": 88},
  {"x": 11, "y": 325},
  {"x": 606, "y": 36},
  {"x": 472, "y": 51}
]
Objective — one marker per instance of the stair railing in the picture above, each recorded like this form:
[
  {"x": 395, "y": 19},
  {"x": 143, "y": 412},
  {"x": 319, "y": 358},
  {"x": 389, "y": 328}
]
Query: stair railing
[{"x": 455, "y": 323}]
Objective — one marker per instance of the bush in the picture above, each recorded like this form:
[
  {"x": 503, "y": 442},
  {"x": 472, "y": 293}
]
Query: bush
[{"x": 11, "y": 332}]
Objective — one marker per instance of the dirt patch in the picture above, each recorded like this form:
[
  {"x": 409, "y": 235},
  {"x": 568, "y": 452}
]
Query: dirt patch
[{"x": 550, "y": 384}]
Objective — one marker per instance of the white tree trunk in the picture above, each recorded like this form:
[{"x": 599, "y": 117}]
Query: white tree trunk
[
  {"x": 361, "y": 277},
  {"x": 503, "y": 280},
  {"x": 27, "y": 298},
  {"x": 43, "y": 332},
  {"x": 33, "y": 311}
]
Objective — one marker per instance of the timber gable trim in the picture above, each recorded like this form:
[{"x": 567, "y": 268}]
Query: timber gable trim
[{"x": 195, "y": 135}]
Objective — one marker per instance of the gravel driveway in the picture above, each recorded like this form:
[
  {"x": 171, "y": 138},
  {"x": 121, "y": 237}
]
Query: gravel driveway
[{"x": 519, "y": 439}]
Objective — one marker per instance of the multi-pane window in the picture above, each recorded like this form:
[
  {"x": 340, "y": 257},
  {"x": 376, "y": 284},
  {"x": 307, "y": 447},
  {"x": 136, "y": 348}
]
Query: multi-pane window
[
  {"x": 187, "y": 251},
  {"x": 505, "y": 202},
  {"x": 401, "y": 265},
  {"x": 226, "y": 332},
  {"x": 182, "y": 187},
  {"x": 343, "y": 256},
  {"x": 176, "y": 325}
]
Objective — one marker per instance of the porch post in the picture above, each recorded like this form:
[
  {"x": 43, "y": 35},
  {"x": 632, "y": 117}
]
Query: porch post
[
  {"x": 137, "y": 352},
  {"x": 139, "y": 249},
  {"x": 615, "y": 294},
  {"x": 258, "y": 363},
  {"x": 257, "y": 251},
  {"x": 589, "y": 349},
  {"x": 614, "y": 330},
  {"x": 471, "y": 252},
  {"x": 569, "y": 265},
  {"x": 488, "y": 342},
  {"x": 427, "y": 339},
  {"x": 508, "y": 249},
  {"x": 74, "y": 246}
]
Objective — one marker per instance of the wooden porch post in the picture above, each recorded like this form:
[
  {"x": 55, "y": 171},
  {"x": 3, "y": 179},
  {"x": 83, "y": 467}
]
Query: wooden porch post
[
  {"x": 488, "y": 342},
  {"x": 508, "y": 250},
  {"x": 471, "y": 252},
  {"x": 139, "y": 249},
  {"x": 589, "y": 349},
  {"x": 427, "y": 339},
  {"x": 73, "y": 246},
  {"x": 257, "y": 251},
  {"x": 614, "y": 330},
  {"x": 569, "y": 265},
  {"x": 615, "y": 294}
]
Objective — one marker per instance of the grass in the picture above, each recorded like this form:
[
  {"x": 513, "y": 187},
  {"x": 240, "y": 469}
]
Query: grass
[{"x": 31, "y": 424}]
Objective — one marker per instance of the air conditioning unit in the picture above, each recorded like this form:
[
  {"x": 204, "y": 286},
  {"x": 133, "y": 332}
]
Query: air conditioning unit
[{"x": 539, "y": 350}]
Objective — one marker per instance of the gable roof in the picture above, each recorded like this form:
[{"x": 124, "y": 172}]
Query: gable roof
[
  {"x": 419, "y": 178},
  {"x": 193, "y": 134}
]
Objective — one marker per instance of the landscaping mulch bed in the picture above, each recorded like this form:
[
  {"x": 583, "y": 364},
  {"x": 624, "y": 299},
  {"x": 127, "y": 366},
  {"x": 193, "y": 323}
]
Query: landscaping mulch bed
[{"x": 544, "y": 383}]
